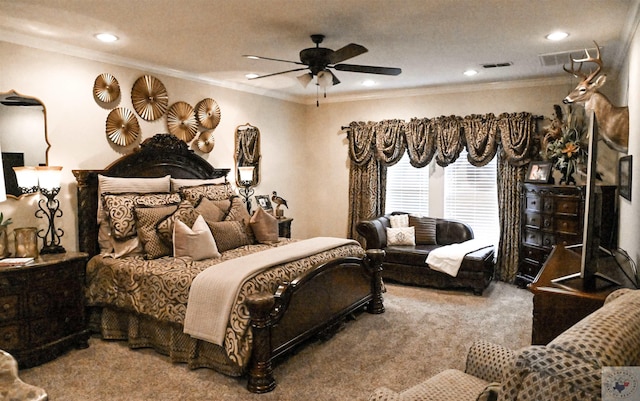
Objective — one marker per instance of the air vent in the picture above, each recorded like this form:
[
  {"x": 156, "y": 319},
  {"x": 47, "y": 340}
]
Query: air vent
[
  {"x": 497, "y": 65},
  {"x": 560, "y": 58}
]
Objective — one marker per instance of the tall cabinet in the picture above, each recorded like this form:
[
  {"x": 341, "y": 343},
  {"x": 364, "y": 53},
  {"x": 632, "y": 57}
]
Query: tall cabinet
[{"x": 553, "y": 214}]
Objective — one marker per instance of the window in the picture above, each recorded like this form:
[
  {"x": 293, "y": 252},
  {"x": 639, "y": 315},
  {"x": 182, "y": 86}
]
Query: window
[
  {"x": 470, "y": 195},
  {"x": 407, "y": 188}
]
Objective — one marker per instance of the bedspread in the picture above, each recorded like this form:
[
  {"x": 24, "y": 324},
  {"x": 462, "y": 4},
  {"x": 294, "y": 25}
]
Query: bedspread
[{"x": 159, "y": 288}]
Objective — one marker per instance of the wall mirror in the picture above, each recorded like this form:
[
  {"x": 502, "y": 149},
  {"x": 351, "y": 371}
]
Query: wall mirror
[
  {"x": 247, "y": 154},
  {"x": 23, "y": 135}
]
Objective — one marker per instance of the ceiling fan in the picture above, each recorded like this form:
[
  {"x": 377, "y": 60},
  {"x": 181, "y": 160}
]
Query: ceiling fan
[{"x": 319, "y": 60}]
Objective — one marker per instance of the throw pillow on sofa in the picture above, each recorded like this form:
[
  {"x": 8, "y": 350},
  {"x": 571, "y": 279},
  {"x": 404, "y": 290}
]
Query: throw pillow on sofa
[
  {"x": 425, "y": 229},
  {"x": 401, "y": 236},
  {"x": 399, "y": 220}
]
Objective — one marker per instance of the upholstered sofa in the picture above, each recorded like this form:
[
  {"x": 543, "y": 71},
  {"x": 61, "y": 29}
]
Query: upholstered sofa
[
  {"x": 568, "y": 368},
  {"x": 406, "y": 264},
  {"x": 11, "y": 387}
]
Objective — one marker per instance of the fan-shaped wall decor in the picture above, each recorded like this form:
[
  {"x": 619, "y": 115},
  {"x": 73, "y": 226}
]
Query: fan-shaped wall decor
[
  {"x": 181, "y": 121},
  {"x": 122, "y": 126},
  {"x": 106, "y": 88},
  {"x": 149, "y": 97},
  {"x": 206, "y": 141},
  {"x": 208, "y": 113}
]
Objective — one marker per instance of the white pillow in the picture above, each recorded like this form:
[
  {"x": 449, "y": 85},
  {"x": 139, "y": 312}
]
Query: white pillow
[
  {"x": 196, "y": 242},
  {"x": 399, "y": 220},
  {"x": 401, "y": 236}
]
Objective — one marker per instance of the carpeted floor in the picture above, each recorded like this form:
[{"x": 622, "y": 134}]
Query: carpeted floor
[{"x": 422, "y": 332}]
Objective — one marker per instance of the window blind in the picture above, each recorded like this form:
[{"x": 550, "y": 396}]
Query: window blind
[
  {"x": 407, "y": 188},
  {"x": 470, "y": 195}
]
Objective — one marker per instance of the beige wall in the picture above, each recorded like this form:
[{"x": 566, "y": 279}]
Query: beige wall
[{"x": 304, "y": 150}]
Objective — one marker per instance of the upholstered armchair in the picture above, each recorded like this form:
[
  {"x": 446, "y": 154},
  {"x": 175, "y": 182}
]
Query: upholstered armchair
[{"x": 11, "y": 387}]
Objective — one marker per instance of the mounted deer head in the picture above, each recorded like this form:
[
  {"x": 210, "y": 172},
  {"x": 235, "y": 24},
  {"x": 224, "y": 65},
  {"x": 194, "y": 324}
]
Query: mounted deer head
[{"x": 613, "y": 122}]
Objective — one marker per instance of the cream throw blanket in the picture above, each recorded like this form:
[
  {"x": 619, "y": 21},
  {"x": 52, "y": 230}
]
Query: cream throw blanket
[
  {"x": 214, "y": 291},
  {"x": 447, "y": 259}
]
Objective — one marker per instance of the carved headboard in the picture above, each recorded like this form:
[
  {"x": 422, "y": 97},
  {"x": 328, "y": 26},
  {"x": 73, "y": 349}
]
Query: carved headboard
[{"x": 157, "y": 156}]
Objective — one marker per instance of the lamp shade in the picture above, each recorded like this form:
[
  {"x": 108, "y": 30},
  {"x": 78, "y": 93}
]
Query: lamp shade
[
  {"x": 325, "y": 79},
  {"x": 49, "y": 177},
  {"x": 305, "y": 79},
  {"x": 27, "y": 178},
  {"x": 246, "y": 173}
]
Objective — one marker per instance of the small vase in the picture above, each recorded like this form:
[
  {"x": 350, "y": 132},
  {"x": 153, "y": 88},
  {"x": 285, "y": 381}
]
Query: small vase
[
  {"x": 567, "y": 176},
  {"x": 4, "y": 242},
  {"x": 26, "y": 242}
]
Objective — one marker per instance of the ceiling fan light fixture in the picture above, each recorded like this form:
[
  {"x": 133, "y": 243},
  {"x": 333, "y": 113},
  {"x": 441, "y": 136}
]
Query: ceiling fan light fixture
[
  {"x": 325, "y": 79},
  {"x": 305, "y": 79}
]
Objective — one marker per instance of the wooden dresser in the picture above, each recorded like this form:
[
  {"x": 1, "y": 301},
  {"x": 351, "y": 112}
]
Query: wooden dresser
[
  {"x": 553, "y": 214},
  {"x": 42, "y": 310}
]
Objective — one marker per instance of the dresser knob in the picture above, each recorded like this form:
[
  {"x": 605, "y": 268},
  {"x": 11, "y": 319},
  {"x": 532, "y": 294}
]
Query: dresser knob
[{"x": 6, "y": 307}]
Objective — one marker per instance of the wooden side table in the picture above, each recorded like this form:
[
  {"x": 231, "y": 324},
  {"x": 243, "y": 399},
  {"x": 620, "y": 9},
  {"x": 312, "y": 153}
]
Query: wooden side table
[
  {"x": 284, "y": 227},
  {"x": 42, "y": 311}
]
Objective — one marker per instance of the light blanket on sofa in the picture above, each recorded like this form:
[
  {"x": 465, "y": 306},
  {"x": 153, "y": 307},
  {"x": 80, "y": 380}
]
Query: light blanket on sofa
[
  {"x": 214, "y": 290},
  {"x": 448, "y": 259}
]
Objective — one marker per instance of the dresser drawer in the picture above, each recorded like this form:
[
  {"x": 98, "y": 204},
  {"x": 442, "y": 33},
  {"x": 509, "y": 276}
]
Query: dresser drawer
[
  {"x": 533, "y": 203},
  {"x": 533, "y": 237},
  {"x": 533, "y": 220},
  {"x": 567, "y": 205},
  {"x": 566, "y": 225},
  {"x": 9, "y": 307},
  {"x": 534, "y": 255}
]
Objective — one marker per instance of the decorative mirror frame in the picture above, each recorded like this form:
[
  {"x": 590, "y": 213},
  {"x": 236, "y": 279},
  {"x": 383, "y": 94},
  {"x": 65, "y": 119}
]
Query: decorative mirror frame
[
  {"x": 13, "y": 92},
  {"x": 247, "y": 152}
]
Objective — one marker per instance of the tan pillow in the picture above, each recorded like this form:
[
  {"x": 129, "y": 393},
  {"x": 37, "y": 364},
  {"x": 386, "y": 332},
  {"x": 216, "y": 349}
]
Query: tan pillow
[
  {"x": 147, "y": 219},
  {"x": 229, "y": 234},
  {"x": 196, "y": 242},
  {"x": 213, "y": 211},
  {"x": 209, "y": 191},
  {"x": 264, "y": 227},
  {"x": 177, "y": 183},
  {"x": 401, "y": 236},
  {"x": 238, "y": 212},
  {"x": 425, "y": 229},
  {"x": 185, "y": 213}
]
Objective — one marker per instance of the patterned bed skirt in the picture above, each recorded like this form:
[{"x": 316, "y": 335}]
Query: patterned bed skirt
[{"x": 165, "y": 338}]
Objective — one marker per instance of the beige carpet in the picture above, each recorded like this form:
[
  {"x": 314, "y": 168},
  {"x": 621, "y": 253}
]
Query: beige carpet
[{"x": 422, "y": 332}]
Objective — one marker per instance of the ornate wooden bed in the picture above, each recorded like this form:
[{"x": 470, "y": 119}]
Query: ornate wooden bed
[{"x": 315, "y": 302}]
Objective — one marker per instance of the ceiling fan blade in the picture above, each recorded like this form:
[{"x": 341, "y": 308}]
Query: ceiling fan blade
[
  {"x": 271, "y": 59},
  {"x": 278, "y": 73},
  {"x": 368, "y": 69},
  {"x": 336, "y": 81},
  {"x": 349, "y": 51}
]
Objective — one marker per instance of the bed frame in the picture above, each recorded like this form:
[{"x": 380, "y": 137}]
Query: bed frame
[{"x": 316, "y": 302}]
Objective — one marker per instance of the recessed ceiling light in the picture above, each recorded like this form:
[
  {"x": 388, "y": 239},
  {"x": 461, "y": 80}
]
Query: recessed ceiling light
[
  {"x": 558, "y": 35},
  {"x": 106, "y": 37},
  {"x": 470, "y": 72},
  {"x": 252, "y": 75},
  {"x": 369, "y": 82}
]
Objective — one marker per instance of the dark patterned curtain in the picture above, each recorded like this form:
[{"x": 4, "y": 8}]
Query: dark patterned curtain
[
  {"x": 449, "y": 140},
  {"x": 480, "y": 134},
  {"x": 421, "y": 141}
]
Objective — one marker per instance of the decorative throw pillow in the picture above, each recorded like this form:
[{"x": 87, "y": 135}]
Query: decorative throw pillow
[
  {"x": 196, "y": 242},
  {"x": 177, "y": 183},
  {"x": 213, "y": 211},
  {"x": 147, "y": 219},
  {"x": 401, "y": 236},
  {"x": 238, "y": 212},
  {"x": 185, "y": 213},
  {"x": 229, "y": 234},
  {"x": 120, "y": 207},
  {"x": 115, "y": 185},
  {"x": 209, "y": 191},
  {"x": 425, "y": 229},
  {"x": 399, "y": 220},
  {"x": 264, "y": 227}
]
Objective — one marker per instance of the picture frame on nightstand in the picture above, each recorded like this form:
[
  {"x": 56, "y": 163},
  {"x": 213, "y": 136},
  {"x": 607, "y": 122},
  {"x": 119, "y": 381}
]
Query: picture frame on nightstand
[
  {"x": 264, "y": 202},
  {"x": 539, "y": 173}
]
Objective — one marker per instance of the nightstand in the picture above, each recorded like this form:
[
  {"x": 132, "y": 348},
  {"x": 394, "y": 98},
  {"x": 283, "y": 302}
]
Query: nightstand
[
  {"x": 42, "y": 311},
  {"x": 284, "y": 227}
]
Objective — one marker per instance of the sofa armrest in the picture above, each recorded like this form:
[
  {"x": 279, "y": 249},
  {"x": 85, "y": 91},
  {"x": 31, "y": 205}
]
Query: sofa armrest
[
  {"x": 374, "y": 232},
  {"x": 488, "y": 361},
  {"x": 452, "y": 232}
]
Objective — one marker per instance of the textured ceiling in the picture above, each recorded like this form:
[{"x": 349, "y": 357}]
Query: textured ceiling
[{"x": 433, "y": 41}]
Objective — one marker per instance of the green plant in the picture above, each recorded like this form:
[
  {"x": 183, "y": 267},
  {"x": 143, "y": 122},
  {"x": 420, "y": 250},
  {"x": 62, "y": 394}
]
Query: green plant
[
  {"x": 567, "y": 149},
  {"x": 3, "y": 222}
]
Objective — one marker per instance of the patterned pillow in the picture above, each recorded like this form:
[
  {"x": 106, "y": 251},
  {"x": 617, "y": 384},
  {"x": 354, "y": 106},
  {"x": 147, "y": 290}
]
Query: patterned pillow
[
  {"x": 196, "y": 242},
  {"x": 401, "y": 236},
  {"x": 425, "y": 229},
  {"x": 399, "y": 220},
  {"x": 120, "y": 207},
  {"x": 177, "y": 183},
  {"x": 264, "y": 227},
  {"x": 213, "y": 211},
  {"x": 238, "y": 212},
  {"x": 147, "y": 219},
  {"x": 185, "y": 213},
  {"x": 210, "y": 191},
  {"x": 229, "y": 234}
]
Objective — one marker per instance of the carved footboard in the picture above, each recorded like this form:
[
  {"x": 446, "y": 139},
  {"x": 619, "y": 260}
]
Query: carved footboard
[{"x": 311, "y": 304}]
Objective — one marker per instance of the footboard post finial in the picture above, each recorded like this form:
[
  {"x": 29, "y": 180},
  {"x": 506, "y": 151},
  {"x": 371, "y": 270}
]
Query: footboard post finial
[
  {"x": 261, "y": 378},
  {"x": 374, "y": 263}
]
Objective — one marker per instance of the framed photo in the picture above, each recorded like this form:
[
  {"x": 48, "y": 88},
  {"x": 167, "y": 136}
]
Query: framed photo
[
  {"x": 624, "y": 176},
  {"x": 539, "y": 172},
  {"x": 264, "y": 202}
]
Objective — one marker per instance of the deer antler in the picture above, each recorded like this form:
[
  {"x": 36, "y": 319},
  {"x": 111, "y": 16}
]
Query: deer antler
[{"x": 578, "y": 73}]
